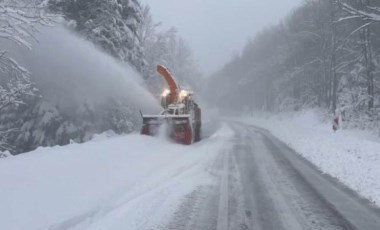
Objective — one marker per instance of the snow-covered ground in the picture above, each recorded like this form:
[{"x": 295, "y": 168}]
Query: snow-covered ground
[
  {"x": 351, "y": 156},
  {"x": 128, "y": 182}
]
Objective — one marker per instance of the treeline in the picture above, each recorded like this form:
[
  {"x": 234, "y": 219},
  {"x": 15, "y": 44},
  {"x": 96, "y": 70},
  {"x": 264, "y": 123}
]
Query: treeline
[
  {"x": 126, "y": 30},
  {"x": 123, "y": 28},
  {"x": 166, "y": 47},
  {"x": 324, "y": 54}
]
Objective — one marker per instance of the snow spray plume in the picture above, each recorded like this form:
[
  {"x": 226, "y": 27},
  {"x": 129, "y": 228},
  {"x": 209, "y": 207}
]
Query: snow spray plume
[{"x": 70, "y": 71}]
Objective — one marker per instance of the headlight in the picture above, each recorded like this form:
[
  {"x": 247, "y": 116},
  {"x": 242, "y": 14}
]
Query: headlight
[
  {"x": 183, "y": 94},
  {"x": 165, "y": 93}
]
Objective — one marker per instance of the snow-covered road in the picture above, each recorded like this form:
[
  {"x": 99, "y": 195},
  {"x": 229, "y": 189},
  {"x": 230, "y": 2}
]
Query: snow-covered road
[
  {"x": 262, "y": 184},
  {"x": 239, "y": 177}
]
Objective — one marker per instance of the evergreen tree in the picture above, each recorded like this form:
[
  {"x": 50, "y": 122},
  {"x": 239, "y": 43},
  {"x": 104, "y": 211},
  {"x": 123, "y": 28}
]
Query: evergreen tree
[{"x": 112, "y": 25}]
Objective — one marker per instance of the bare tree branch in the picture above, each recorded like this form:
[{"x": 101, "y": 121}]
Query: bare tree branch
[{"x": 370, "y": 14}]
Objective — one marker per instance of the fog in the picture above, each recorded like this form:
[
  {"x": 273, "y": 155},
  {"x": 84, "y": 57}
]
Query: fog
[
  {"x": 218, "y": 29},
  {"x": 69, "y": 70}
]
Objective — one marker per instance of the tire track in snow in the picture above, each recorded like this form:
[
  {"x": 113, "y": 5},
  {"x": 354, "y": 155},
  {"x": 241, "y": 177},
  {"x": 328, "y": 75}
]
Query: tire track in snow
[{"x": 223, "y": 216}]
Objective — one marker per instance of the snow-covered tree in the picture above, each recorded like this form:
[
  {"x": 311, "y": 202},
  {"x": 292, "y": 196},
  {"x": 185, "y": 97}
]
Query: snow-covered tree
[
  {"x": 112, "y": 25},
  {"x": 366, "y": 11},
  {"x": 169, "y": 49},
  {"x": 147, "y": 34},
  {"x": 19, "y": 20},
  {"x": 325, "y": 54},
  {"x": 365, "y": 14},
  {"x": 120, "y": 117}
]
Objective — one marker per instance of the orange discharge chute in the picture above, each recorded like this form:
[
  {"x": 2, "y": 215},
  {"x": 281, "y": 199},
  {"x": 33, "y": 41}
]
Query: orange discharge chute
[{"x": 173, "y": 87}]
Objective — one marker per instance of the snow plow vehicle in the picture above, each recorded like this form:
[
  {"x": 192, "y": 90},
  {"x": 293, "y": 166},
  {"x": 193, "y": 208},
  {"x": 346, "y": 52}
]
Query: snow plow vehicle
[{"x": 180, "y": 119}]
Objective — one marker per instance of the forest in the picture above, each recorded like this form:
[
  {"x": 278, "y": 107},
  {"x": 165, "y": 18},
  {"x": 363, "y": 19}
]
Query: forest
[{"x": 325, "y": 54}]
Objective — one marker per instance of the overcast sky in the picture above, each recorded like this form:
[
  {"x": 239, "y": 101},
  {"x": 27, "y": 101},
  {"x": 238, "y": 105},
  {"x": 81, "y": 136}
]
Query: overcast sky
[{"x": 217, "y": 29}]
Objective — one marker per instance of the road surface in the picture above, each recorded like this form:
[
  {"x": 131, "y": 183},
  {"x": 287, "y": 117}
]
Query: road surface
[{"x": 262, "y": 184}]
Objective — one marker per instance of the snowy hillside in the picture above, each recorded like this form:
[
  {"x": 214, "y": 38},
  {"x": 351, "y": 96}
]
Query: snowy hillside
[{"x": 109, "y": 183}]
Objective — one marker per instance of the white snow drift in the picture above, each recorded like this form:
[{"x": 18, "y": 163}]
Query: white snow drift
[{"x": 128, "y": 182}]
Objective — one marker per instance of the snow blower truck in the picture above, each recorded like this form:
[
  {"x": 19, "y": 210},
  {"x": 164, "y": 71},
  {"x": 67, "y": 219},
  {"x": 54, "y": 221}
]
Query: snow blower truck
[{"x": 181, "y": 115}]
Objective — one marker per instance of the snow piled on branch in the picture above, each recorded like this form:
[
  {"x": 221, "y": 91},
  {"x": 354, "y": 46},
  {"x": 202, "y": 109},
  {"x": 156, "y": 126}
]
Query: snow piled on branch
[
  {"x": 18, "y": 23},
  {"x": 20, "y": 19},
  {"x": 351, "y": 156},
  {"x": 129, "y": 182},
  {"x": 372, "y": 13}
]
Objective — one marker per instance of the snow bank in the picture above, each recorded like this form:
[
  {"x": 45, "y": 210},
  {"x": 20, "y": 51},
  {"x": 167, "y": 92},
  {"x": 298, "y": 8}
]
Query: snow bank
[
  {"x": 129, "y": 182},
  {"x": 351, "y": 156},
  {"x": 5, "y": 154}
]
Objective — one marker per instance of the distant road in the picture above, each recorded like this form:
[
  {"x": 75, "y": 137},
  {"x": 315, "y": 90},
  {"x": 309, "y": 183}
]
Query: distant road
[{"x": 262, "y": 184}]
